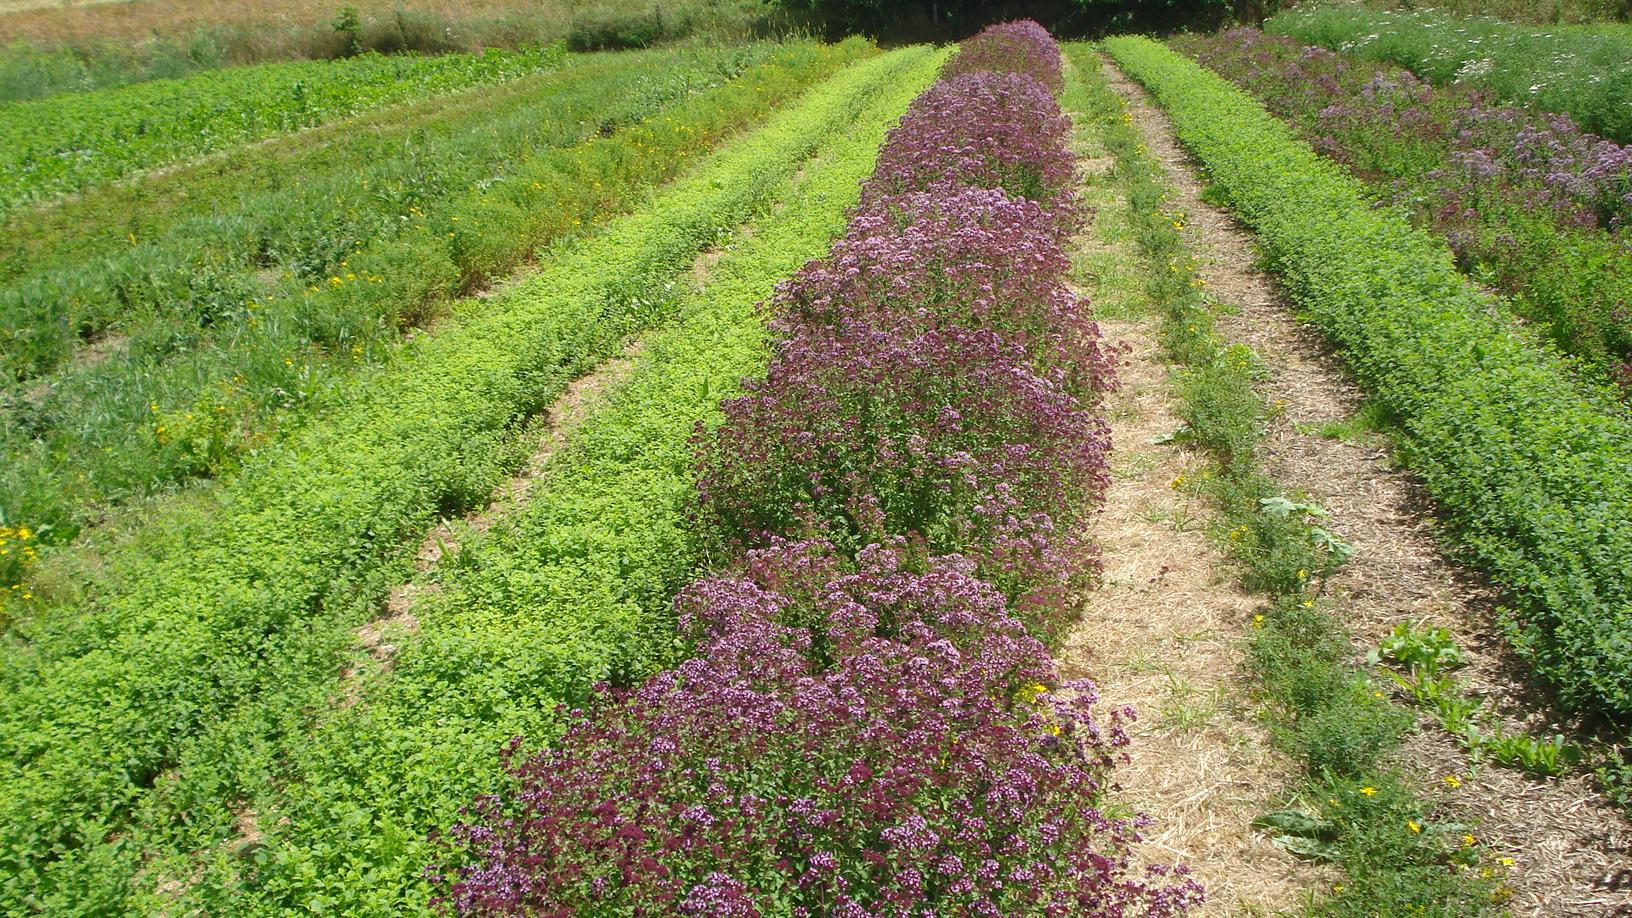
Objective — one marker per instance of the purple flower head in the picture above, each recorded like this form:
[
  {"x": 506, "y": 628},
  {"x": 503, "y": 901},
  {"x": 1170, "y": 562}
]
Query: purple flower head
[
  {"x": 989, "y": 130},
  {"x": 1012, "y": 47}
]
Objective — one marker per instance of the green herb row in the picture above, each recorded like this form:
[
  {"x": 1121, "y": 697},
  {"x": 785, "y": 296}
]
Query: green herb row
[
  {"x": 1530, "y": 467},
  {"x": 104, "y": 700},
  {"x": 197, "y": 243},
  {"x": 65, "y": 143},
  {"x": 185, "y": 397},
  {"x": 1333, "y": 720}
]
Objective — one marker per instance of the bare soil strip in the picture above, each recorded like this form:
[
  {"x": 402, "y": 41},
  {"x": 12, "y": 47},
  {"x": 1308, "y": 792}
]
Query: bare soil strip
[
  {"x": 1164, "y": 631},
  {"x": 1571, "y": 850}
]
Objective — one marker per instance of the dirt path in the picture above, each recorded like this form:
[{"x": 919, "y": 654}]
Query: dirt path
[
  {"x": 1164, "y": 632},
  {"x": 1571, "y": 850}
]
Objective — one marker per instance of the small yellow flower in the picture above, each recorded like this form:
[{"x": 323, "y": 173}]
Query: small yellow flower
[
  {"x": 1453, "y": 782},
  {"x": 1468, "y": 841},
  {"x": 1506, "y": 861},
  {"x": 1369, "y": 791},
  {"x": 1303, "y": 575},
  {"x": 1258, "y": 620},
  {"x": 1338, "y": 888},
  {"x": 1413, "y": 825}
]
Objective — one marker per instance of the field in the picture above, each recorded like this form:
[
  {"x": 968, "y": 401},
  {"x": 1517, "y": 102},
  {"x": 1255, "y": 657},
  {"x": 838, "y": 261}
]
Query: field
[
  {"x": 76, "y": 45},
  {"x": 755, "y": 477}
]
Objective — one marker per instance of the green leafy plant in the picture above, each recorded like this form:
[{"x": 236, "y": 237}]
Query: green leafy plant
[
  {"x": 1433, "y": 650},
  {"x": 1546, "y": 509}
]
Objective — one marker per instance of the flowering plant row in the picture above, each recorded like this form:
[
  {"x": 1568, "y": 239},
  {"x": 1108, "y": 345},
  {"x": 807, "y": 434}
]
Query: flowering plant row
[
  {"x": 872, "y": 724},
  {"x": 1528, "y": 200},
  {"x": 1575, "y": 69}
]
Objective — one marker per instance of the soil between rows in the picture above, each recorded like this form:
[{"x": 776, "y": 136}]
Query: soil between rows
[{"x": 1571, "y": 848}]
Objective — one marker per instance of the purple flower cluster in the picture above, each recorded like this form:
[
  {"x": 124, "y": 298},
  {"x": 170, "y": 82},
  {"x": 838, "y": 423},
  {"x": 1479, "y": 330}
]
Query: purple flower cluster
[
  {"x": 858, "y": 740},
  {"x": 872, "y": 724},
  {"x": 1011, "y": 47},
  {"x": 982, "y": 129},
  {"x": 1493, "y": 148}
]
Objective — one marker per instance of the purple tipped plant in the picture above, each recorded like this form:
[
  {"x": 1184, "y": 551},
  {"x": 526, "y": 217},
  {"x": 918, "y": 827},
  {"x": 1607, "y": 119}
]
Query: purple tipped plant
[
  {"x": 866, "y": 431},
  {"x": 989, "y": 130},
  {"x": 977, "y": 259},
  {"x": 918, "y": 764},
  {"x": 1013, "y": 47}
]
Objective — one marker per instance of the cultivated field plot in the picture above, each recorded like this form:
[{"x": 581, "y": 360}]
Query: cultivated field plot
[{"x": 782, "y": 478}]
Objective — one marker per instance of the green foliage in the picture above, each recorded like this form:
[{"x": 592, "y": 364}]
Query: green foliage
[
  {"x": 574, "y": 587},
  {"x": 347, "y": 23},
  {"x": 139, "y": 719},
  {"x": 1426, "y": 655},
  {"x": 1430, "y": 649},
  {"x": 52, "y": 146},
  {"x": 116, "y": 51},
  {"x": 1530, "y": 466},
  {"x": 246, "y": 300},
  {"x": 1578, "y": 70},
  {"x": 1327, "y": 713}
]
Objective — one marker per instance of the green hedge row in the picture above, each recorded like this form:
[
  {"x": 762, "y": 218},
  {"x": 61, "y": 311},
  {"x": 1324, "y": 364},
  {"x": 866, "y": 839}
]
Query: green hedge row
[
  {"x": 114, "y": 707},
  {"x": 205, "y": 376},
  {"x": 67, "y": 142},
  {"x": 1533, "y": 471}
]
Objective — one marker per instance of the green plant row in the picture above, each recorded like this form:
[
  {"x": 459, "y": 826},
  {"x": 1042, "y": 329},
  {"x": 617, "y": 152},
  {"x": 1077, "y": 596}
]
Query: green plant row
[
  {"x": 574, "y": 588},
  {"x": 1579, "y": 70},
  {"x": 65, "y": 143},
  {"x": 211, "y": 360},
  {"x": 1353, "y": 810},
  {"x": 105, "y": 697},
  {"x": 1530, "y": 467},
  {"x": 199, "y": 241}
]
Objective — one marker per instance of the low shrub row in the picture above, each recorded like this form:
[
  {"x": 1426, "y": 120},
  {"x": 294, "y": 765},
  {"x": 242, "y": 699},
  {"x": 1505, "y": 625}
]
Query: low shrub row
[
  {"x": 1528, "y": 465},
  {"x": 1331, "y": 714},
  {"x": 198, "y": 242},
  {"x": 1528, "y": 202},
  {"x": 215, "y": 358},
  {"x": 1578, "y": 70},
  {"x": 870, "y": 723},
  {"x": 52, "y": 146},
  {"x": 568, "y": 588},
  {"x": 169, "y": 639}
]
